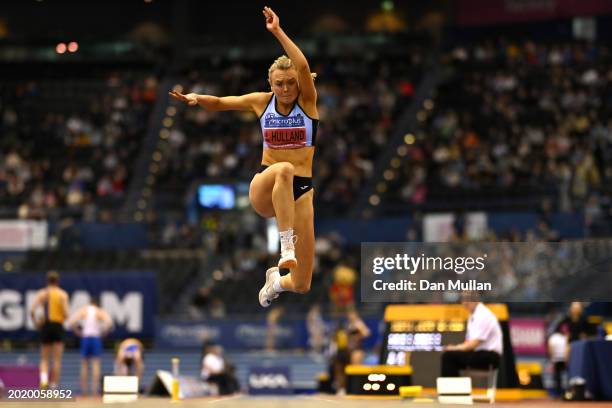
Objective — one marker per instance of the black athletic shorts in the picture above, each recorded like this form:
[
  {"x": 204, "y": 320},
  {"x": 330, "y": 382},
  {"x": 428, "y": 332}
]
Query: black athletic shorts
[
  {"x": 51, "y": 332},
  {"x": 301, "y": 185}
]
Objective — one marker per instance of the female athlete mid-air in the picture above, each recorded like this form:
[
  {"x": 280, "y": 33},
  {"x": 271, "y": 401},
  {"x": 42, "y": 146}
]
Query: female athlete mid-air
[{"x": 283, "y": 186}]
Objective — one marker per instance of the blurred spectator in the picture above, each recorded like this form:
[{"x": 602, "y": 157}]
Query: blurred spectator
[
  {"x": 200, "y": 303},
  {"x": 346, "y": 348},
  {"x": 575, "y": 324},
  {"x": 357, "y": 331},
  {"x": 341, "y": 291},
  {"x": 558, "y": 348},
  {"x": 272, "y": 327},
  {"x": 339, "y": 359},
  {"x": 217, "y": 308},
  {"x": 316, "y": 329}
]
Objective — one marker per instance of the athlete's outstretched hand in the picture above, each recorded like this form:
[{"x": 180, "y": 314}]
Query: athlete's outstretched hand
[
  {"x": 272, "y": 21},
  {"x": 190, "y": 99}
]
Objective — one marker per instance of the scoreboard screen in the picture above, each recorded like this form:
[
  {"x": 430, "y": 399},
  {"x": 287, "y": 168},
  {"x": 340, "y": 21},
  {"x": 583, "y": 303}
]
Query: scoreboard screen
[{"x": 419, "y": 343}]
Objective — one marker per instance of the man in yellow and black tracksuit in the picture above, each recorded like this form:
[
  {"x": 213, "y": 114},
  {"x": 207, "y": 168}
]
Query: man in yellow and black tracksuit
[{"x": 54, "y": 300}]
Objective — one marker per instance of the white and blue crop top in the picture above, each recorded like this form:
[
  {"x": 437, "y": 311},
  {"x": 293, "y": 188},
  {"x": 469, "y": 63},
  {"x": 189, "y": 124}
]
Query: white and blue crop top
[{"x": 293, "y": 131}]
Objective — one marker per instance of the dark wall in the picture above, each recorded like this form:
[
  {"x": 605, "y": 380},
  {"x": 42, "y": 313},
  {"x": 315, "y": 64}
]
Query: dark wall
[
  {"x": 51, "y": 20},
  {"x": 235, "y": 19}
]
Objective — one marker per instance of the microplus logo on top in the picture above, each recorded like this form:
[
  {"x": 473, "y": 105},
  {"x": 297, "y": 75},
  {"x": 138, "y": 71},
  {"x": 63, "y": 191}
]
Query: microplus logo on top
[
  {"x": 412, "y": 264},
  {"x": 274, "y": 121}
]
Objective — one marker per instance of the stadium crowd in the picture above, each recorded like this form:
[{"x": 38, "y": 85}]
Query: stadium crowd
[
  {"x": 67, "y": 145},
  {"x": 515, "y": 122}
]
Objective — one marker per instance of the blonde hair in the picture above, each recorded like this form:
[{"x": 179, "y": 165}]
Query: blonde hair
[{"x": 284, "y": 63}]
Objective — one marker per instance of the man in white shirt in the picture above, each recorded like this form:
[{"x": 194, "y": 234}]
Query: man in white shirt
[
  {"x": 217, "y": 371},
  {"x": 483, "y": 343},
  {"x": 90, "y": 323},
  {"x": 212, "y": 362}
]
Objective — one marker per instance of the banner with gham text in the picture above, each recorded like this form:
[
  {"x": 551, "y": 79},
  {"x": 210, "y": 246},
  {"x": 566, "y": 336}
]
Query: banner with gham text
[{"x": 129, "y": 297}]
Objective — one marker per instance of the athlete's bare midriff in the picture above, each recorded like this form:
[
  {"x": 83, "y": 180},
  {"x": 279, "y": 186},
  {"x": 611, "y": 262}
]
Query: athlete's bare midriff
[{"x": 300, "y": 158}]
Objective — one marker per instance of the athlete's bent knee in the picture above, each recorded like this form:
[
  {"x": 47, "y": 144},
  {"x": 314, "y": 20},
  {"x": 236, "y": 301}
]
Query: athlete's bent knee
[{"x": 285, "y": 171}]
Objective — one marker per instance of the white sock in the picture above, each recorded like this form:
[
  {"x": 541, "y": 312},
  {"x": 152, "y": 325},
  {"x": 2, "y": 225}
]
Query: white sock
[
  {"x": 277, "y": 286},
  {"x": 286, "y": 239},
  {"x": 44, "y": 378}
]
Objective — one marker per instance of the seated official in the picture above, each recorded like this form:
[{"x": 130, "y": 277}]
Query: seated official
[
  {"x": 216, "y": 370},
  {"x": 482, "y": 347}
]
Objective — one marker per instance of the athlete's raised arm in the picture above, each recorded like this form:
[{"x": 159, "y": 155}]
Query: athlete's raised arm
[
  {"x": 249, "y": 102},
  {"x": 307, "y": 88}
]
